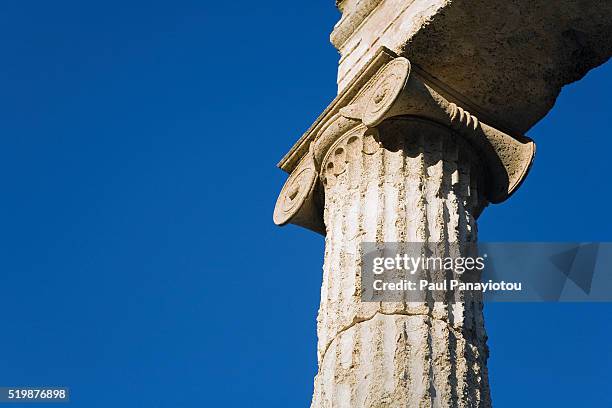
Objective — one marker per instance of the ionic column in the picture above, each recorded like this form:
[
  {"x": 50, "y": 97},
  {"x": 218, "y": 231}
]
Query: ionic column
[{"x": 397, "y": 158}]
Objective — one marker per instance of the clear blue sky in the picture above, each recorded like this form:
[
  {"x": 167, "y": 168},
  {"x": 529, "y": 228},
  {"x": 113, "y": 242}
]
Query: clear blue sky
[{"x": 138, "y": 260}]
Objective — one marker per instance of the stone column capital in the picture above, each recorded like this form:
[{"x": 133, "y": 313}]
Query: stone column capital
[{"x": 390, "y": 86}]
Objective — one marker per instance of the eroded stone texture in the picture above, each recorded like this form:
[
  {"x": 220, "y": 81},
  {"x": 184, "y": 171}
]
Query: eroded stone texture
[
  {"x": 417, "y": 183},
  {"x": 411, "y": 151},
  {"x": 394, "y": 160},
  {"x": 511, "y": 57},
  {"x": 403, "y": 361}
]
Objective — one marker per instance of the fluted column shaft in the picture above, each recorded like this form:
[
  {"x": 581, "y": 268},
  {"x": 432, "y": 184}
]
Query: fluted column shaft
[{"x": 411, "y": 181}]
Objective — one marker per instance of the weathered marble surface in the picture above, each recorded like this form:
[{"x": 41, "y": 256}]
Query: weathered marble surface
[
  {"x": 413, "y": 150},
  {"x": 422, "y": 183},
  {"x": 393, "y": 160}
]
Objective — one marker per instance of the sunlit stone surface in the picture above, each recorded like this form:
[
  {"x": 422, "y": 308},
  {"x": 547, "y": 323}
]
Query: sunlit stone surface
[{"x": 427, "y": 130}]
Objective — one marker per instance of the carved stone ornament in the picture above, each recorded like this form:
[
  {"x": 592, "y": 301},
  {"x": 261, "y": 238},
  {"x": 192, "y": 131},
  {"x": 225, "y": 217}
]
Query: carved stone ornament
[
  {"x": 390, "y": 87},
  {"x": 297, "y": 200}
]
